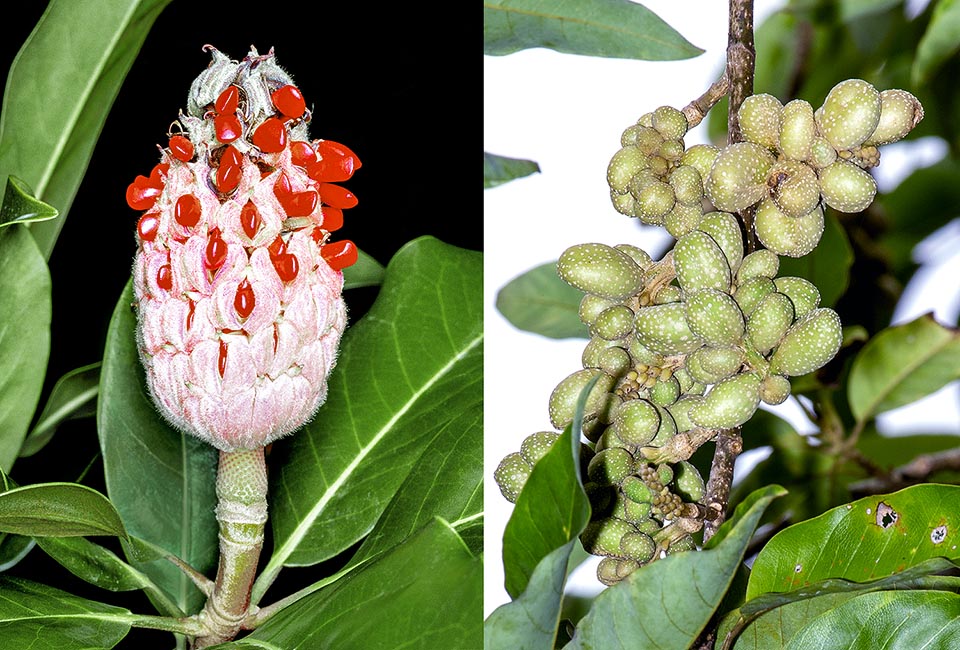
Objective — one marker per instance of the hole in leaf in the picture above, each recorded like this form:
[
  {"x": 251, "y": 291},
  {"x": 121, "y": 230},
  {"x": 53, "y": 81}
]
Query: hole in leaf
[
  {"x": 886, "y": 516},
  {"x": 938, "y": 534}
]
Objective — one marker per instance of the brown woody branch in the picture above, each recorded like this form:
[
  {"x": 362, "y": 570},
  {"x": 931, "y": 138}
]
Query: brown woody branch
[{"x": 918, "y": 470}]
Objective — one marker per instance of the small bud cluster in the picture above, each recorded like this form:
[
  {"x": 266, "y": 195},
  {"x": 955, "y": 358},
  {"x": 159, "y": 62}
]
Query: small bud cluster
[{"x": 693, "y": 343}]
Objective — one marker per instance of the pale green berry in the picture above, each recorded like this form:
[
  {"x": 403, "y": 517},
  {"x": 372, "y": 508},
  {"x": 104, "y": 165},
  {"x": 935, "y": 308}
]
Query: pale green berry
[
  {"x": 809, "y": 344},
  {"x": 729, "y": 403},
  {"x": 641, "y": 179},
  {"x": 610, "y": 466},
  {"x": 802, "y": 293},
  {"x": 671, "y": 150},
  {"x": 624, "y": 164},
  {"x": 536, "y": 445},
  {"x": 900, "y": 112},
  {"x": 683, "y": 219},
  {"x": 614, "y": 323},
  {"x": 625, "y": 204},
  {"x": 774, "y": 389},
  {"x": 846, "y": 187},
  {"x": 634, "y": 489},
  {"x": 684, "y": 378},
  {"x": 654, "y": 202},
  {"x": 646, "y": 120},
  {"x": 680, "y": 410},
  {"x": 725, "y": 230},
  {"x": 664, "y": 329},
  {"x": 669, "y": 293},
  {"x": 635, "y": 512},
  {"x": 738, "y": 177},
  {"x": 749, "y": 294},
  {"x": 590, "y": 357},
  {"x": 629, "y": 135},
  {"x": 687, "y": 185},
  {"x": 769, "y": 322},
  {"x": 667, "y": 430},
  {"x": 602, "y": 537},
  {"x": 640, "y": 256},
  {"x": 648, "y": 140},
  {"x": 700, "y": 157},
  {"x": 670, "y": 122},
  {"x": 760, "y": 118},
  {"x": 641, "y": 353},
  {"x": 785, "y": 235},
  {"x": 636, "y": 422},
  {"x": 601, "y": 270},
  {"x": 716, "y": 363},
  {"x": 688, "y": 483},
  {"x": 715, "y": 317},
  {"x": 797, "y": 130},
  {"x": 592, "y": 305},
  {"x": 761, "y": 263},
  {"x": 700, "y": 263},
  {"x": 682, "y": 545},
  {"x": 637, "y": 546},
  {"x": 850, "y": 114},
  {"x": 563, "y": 399},
  {"x": 665, "y": 392},
  {"x": 614, "y": 361},
  {"x": 794, "y": 187},
  {"x": 696, "y": 369},
  {"x": 822, "y": 153},
  {"x": 511, "y": 475}
]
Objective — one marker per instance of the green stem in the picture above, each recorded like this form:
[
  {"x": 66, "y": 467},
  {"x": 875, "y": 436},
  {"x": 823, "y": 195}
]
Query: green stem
[
  {"x": 242, "y": 515},
  {"x": 186, "y": 626}
]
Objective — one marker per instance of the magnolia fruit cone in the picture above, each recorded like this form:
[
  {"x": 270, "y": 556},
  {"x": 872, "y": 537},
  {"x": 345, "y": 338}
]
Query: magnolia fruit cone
[{"x": 238, "y": 289}]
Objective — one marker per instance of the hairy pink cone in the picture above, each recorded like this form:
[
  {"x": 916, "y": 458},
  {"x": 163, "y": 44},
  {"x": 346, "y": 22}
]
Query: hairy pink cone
[{"x": 237, "y": 340}]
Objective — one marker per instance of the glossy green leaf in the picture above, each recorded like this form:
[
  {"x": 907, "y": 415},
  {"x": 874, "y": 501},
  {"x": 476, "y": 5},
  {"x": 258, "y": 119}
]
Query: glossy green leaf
[
  {"x": 828, "y": 266},
  {"x": 939, "y": 42},
  {"x": 879, "y": 620},
  {"x": 161, "y": 481},
  {"x": 901, "y": 364},
  {"x": 14, "y": 548},
  {"x": 73, "y": 396},
  {"x": 39, "y": 617},
  {"x": 425, "y": 593},
  {"x": 25, "y": 312},
  {"x": 20, "y": 205},
  {"x": 405, "y": 371},
  {"x": 539, "y": 301},
  {"x": 58, "y": 509},
  {"x": 498, "y": 170},
  {"x": 59, "y": 92},
  {"x": 866, "y": 539},
  {"x": 676, "y": 595},
  {"x": 446, "y": 482},
  {"x": 851, "y": 10},
  {"x": 367, "y": 272},
  {"x": 608, "y": 28}
]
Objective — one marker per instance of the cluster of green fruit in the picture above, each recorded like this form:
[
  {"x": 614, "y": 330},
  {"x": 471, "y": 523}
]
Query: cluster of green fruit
[{"x": 691, "y": 344}]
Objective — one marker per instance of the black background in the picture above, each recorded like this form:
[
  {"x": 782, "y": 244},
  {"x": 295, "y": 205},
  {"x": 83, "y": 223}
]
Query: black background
[{"x": 386, "y": 79}]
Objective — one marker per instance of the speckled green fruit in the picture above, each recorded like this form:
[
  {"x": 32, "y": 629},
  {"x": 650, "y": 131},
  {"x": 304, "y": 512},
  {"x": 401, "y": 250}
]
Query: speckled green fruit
[
  {"x": 610, "y": 466},
  {"x": 625, "y": 204},
  {"x": 797, "y": 130},
  {"x": 714, "y": 317},
  {"x": 667, "y": 430},
  {"x": 785, "y": 235},
  {"x": 600, "y": 269},
  {"x": 648, "y": 140},
  {"x": 592, "y": 305},
  {"x": 536, "y": 445},
  {"x": 701, "y": 157},
  {"x": 687, "y": 481},
  {"x": 683, "y": 219},
  {"x": 729, "y": 403},
  {"x": 760, "y": 118},
  {"x": 822, "y": 153},
  {"x": 669, "y": 122},
  {"x": 761, "y": 263},
  {"x": 680, "y": 410},
  {"x": 614, "y": 361},
  {"x": 636, "y": 490},
  {"x": 590, "y": 357},
  {"x": 802, "y": 293},
  {"x": 636, "y": 422},
  {"x": 624, "y": 164},
  {"x": 687, "y": 184},
  {"x": 635, "y": 513},
  {"x": 794, "y": 187},
  {"x": 671, "y": 150},
  {"x": 900, "y": 112},
  {"x": 717, "y": 363},
  {"x": 511, "y": 475},
  {"x": 613, "y": 323},
  {"x": 638, "y": 546},
  {"x": 809, "y": 344},
  {"x": 665, "y": 392},
  {"x": 850, "y": 114},
  {"x": 774, "y": 389},
  {"x": 640, "y": 256},
  {"x": 564, "y": 397},
  {"x": 641, "y": 353},
  {"x": 602, "y": 536},
  {"x": 668, "y": 293},
  {"x": 846, "y": 187},
  {"x": 654, "y": 201},
  {"x": 664, "y": 329},
  {"x": 613, "y": 570},
  {"x": 700, "y": 264},
  {"x": 769, "y": 322},
  {"x": 725, "y": 230},
  {"x": 738, "y": 177},
  {"x": 749, "y": 294}
]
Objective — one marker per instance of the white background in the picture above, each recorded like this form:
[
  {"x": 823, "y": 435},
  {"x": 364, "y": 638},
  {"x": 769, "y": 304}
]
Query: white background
[{"x": 566, "y": 113}]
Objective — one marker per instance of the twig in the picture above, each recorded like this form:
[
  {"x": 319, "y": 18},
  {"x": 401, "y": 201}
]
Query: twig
[
  {"x": 729, "y": 446},
  {"x": 917, "y": 470},
  {"x": 696, "y": 110}
]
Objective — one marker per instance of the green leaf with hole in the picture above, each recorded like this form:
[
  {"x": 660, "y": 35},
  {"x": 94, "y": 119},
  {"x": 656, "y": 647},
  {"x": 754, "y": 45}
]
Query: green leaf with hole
[
  {"x": 498, "y": 170},
  {"x": 677, "y": 595},
  {"x": 21, "y": 206},
  {"x": 939, "y": 42},
  {"x": 539, "y": 301},
  {"x": 828, "y": 266},
  {"x": 608, "y": 28},
  {"x": 73, "y": 396},
  {"x": 901, "y": 364},
  {"x": 59, "y": 510},
  {"x": 863, "y": 540}
]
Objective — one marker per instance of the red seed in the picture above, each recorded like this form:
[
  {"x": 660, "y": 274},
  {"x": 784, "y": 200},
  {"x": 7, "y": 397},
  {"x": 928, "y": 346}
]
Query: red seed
[
  {"x": 286, "y": 265},
  {"x": 270, "y": 136},
  {"x": 282, "y": 189},
  {"x": 216, "y": 252},
  {"x": 332, "y": 218},
  {"x": 231, "y": 156},
  {"x": 340, "y": 254},
  {"x": 228, "y": 100},
  {"x": 250, "y": 219},
  {"x": 337, "y": 196},
  {"x": 191, "y": 308},
  {"x": 227, "y": 127},
  {"x": 157, "y": 173},
  {"x": 330, "y": 171},
  {"x": 148, "y": 225},
  {"x": 181, "y": 148},
  {"x": 141, "y": 195},
  {"x": 187, "y": 211},
  {"x": 244, "y": 301},
  {"x": 300, "y": 204},
  {"x": 165, "y": 277},
  {"x": 301, "y": 153},
  {"x": 277, "y": 247},
  {"x": 222, "y": 358},
  {"x": 230, "y": 171},
  {"x": 289, "y": 101}
]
